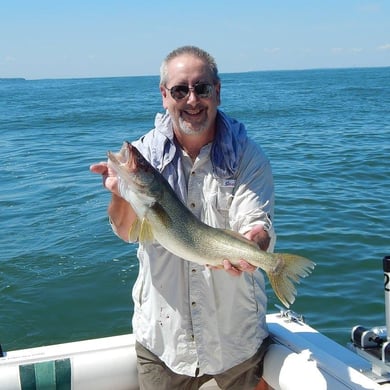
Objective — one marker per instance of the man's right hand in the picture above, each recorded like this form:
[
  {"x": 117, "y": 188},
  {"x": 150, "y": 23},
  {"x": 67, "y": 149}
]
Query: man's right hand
[{"x": 110, "y": 180}]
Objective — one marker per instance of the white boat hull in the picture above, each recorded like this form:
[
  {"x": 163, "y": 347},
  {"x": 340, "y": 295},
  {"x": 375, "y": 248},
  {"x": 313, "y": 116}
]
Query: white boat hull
[
  {"x": 301, "y": 358},
  {"x": 304, "y": 359}
]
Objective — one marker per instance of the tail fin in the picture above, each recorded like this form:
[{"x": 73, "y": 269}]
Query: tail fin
[{"x": 290, "y": 269}]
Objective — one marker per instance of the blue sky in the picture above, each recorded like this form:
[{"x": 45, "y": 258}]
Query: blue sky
[{"x": 84, "y": 38}]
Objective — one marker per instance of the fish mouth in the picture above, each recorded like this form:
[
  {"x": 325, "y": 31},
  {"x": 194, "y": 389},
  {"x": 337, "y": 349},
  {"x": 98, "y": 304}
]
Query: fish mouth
[
  {"x": 124, "y": 158},
  {"x": 125, "y": 153}
]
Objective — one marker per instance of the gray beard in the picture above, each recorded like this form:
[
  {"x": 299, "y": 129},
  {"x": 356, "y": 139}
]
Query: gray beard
[{"x": 184, "y": 128}]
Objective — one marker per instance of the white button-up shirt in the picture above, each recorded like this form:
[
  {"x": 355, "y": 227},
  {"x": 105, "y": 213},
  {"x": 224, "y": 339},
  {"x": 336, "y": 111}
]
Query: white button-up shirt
[{"x": 193, "y": 317}]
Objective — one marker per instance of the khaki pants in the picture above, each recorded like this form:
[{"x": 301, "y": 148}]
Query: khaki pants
[{"x": 154, "y": 374}]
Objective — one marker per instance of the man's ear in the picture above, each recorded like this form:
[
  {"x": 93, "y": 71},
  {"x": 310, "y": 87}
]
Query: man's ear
[
  {"x": 218, "y": 93},
  {"x": 164, "y": 96}
]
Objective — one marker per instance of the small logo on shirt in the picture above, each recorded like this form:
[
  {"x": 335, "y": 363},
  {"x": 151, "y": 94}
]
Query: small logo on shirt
[{"x": 229, "y": 183}]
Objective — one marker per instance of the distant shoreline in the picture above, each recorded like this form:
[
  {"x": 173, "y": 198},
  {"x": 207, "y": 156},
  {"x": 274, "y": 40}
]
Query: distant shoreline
[
  {"x": 221, "y": 73},
  {"x": 12, "y": 79}
]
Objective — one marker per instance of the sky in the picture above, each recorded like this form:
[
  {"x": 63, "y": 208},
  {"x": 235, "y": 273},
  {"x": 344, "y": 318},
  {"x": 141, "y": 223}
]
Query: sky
[{"x": 85, "y": 38}]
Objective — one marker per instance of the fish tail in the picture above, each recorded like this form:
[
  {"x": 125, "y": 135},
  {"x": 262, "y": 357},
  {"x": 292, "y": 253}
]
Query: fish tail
[{"x": 289, "y": 269}]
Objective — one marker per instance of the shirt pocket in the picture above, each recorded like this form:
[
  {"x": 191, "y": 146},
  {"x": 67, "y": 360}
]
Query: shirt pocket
[
  {"x": 217, "y": 198},
  {"x": 223, "y": 201},
  {"x": 225, "y": 195}
]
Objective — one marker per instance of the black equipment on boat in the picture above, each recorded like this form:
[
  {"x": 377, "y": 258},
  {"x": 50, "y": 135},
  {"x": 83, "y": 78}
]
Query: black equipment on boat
[{"x": 374, "y": 343}]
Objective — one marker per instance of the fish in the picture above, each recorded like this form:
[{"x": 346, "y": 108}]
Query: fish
[{"x": 163, "y": 217}]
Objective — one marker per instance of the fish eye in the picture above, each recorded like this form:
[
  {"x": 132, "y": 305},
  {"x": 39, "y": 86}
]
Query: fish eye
[{"x": 140, "y": 160}]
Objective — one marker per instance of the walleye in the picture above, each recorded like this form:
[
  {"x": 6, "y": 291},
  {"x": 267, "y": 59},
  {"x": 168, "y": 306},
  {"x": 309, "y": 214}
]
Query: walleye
[{"x": 163, "y": 217}]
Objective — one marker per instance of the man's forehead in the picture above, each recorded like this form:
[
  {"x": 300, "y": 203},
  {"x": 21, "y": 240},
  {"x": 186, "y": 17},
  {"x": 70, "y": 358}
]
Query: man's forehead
[{"x": 185, "y": 66}]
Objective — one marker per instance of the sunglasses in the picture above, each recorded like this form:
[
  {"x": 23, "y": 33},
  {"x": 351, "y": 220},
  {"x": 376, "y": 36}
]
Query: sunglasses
[{"x": 202, "y": 90}]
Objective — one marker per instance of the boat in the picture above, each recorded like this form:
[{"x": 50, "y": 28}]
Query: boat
[{"x": 300, "y": 358}]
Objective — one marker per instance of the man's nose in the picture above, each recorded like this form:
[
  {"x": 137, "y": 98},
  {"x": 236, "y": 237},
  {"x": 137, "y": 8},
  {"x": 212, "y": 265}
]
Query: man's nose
[{"x": 192, "y": 97}]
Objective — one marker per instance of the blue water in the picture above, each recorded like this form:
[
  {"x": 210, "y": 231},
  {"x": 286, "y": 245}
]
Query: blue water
[{"x": 64, "y": 276}]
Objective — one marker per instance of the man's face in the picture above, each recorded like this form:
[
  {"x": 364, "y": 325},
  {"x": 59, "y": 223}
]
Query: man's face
[{"x": 192, "y": 114}]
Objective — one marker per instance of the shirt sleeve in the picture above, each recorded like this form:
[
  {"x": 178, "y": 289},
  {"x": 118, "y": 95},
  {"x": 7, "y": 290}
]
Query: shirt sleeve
[{"x": 254, "y": 198}]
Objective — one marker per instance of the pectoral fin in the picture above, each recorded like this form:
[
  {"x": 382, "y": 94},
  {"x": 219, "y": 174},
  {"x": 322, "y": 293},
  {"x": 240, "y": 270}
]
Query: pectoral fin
[
  {"x": 146, "y": 233},
  {"x": 141, "y": 231}
]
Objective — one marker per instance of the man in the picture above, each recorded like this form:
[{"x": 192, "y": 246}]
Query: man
[{"x": 194, "y": 323}]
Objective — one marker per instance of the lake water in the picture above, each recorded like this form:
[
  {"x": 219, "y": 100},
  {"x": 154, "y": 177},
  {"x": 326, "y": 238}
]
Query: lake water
[{"x": 64, "y": 276}]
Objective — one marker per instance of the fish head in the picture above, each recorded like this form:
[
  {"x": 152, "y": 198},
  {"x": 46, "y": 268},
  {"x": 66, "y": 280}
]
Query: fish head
[{"x": 135, "y": 173}]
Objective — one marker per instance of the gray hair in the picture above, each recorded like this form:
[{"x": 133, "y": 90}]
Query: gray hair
[{"x": 194, "y": 51}]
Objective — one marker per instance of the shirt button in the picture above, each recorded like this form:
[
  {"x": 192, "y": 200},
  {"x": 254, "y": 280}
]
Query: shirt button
[
  {"x": 193, "y": 303},
  {"x": 193, "y": 173},
  {"x": 192, "y": 205}
]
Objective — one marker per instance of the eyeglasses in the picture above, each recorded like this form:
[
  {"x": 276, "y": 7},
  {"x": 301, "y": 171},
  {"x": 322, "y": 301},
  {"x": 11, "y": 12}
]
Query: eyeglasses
[{"x": 202, "y": 90}]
